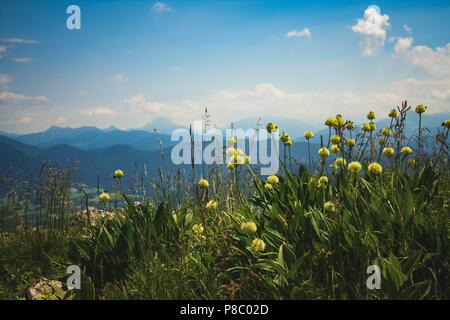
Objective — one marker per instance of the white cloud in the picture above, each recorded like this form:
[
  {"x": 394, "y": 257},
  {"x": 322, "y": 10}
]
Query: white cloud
[
  {"x": 304, "y": 33},
  {"x": 433, "y": 93},
  {"x": 24, "y": 60},
  {"x": 4, "y": 80},
  {"x": 266, "y": 99},
  {"x": 25, "y": 120},
  {"x": 139, "y": 104},
  {"x": 119, "y": 78},
  {"x": 435, "y": 62},
  {"x": 407, "y": 29},
  {"x": 17, "y": 97},
  {"x": 2, "y": 49},
  {"x": 403, "y": 44},
  {"x": 372, "y": 28},
  {"x": 161, "y": 7},
  {"x": 18, "y": 40},
  {"x": 61, "y": 120},
  {"x": 98, "y": 111}
]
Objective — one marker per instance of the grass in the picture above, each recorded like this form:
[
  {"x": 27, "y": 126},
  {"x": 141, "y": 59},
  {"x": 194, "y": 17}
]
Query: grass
[{"x": 314, "y": 237}]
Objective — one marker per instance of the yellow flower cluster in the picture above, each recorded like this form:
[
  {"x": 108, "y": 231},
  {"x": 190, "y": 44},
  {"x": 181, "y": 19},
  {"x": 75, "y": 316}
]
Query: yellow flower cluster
[
  {"x": 324, "y": 152},
  {"x": 335, "y": 139},
  {"x": 258, "y": 245},
  {"x": 309, "y": 135},
  {"x": 249, "y": 227},
  {"x": 350, "y": 125},
  {"x": 350, "y": 142},
  {"x": 393, "y": 113},
  {"x": 118, "y": 174},
  {"x": 406, "y": 150},
  {"x": 284, "y": 137},
  {"x": 335, "y": 149},
  {"x": 273, "y": 179},
  {"x": 203, "y": 183},
  {"x": 386, "y": 132},
  {"x": 329, "y": 206},
  {"x": 446, "y": 123},
  {"x": 340, "y": 162},
  {"x": 197, "y": 228},
  {"x": 323, "y": 180},
  {"x": 388, "y": 151},
  {"x": 420, "y": 109},
  {"x": 339, "y": 120},
  {"x": 354, "y": 167},
  {"x": 104, "y": 197},
  {"x": 212, "y": 205},
  {"x": 375, "y": 168},
  {"x": 371, "y": 115},
  {"x": 330, "y": 121},
  {"x": 271, "y": 127}
]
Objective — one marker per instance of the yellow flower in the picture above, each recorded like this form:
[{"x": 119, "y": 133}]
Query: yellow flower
[
  {"x": 411, "y": 162},
  {"x": 333, "y": 166},
  {"x": 350, "y": 125},
  {"x": 375, "y": 168},
  {"x": 323, "y": 180},
  {"x": 334, "y": 148},
  {"x": 335, "y": 139},
  {"x": 273, "y": 179},
  {"x": 420, "y": 109},
  {"x": 197, "y": 228},
  {"x": 284, "y": 137},
  {"x": 249, "y": 227},
  {"x": 406, "y": 150},
  {"x": 247, "y": 159},
  {"x": 386, "y": 132},
  {"x": 393, "y": 113},
  {"x": 258, "y": 245},
  {"x": 271, "y": 127},
  {"x": 340, "y": 162},
  {"x": 211, "y": 205},
  {"x": 118, "y": 174},
  {"x": 371, "y": 115},
  {"x": 388, "y": 151},
  {"x": 237, "y": 160},
  {"x": 340, "y": 120},
  {"x": 288, "y": 143},
  {"x": 330, "y": 121},
  {"x": 365, "y": 127},
  {"x": 372, "y": 126},
  {"x": 309, "y": 135},
  {"x": 329, "y": 206},
  {"x": 350, "y": 142},
  {"x": 381, "y": 141},
  {"x": 324, "y": 152},
  {"x": 268, "y": 186},
  {"x": 104, "y": 197},
  {"x": 231, "y": 166},
  {"x": 203, "y": 183},
  {"x": 354, "y": 167},
  {"x": 446, "y": 123}
]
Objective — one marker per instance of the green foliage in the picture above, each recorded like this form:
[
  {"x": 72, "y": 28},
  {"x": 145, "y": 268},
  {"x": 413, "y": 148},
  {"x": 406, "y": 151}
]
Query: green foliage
[{"x": 313, "y": 240}]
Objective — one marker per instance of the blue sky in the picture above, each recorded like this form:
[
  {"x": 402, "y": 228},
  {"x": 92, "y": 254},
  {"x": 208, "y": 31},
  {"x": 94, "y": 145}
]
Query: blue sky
[{"x": 134, "y": 60}]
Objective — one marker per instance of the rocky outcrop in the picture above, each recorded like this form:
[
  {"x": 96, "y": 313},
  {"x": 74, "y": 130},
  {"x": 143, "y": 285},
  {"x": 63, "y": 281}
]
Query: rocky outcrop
[
  {"x": 43, "y": 290},
  {"x": 81, "y": 217}
]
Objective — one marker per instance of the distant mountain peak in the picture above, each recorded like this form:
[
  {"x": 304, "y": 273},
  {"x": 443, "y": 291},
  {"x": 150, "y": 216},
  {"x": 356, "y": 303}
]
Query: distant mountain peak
[{"x": 163, "y": 124}]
